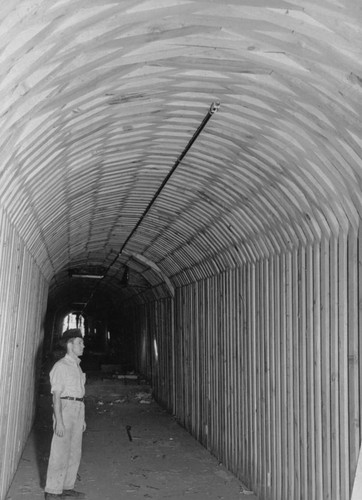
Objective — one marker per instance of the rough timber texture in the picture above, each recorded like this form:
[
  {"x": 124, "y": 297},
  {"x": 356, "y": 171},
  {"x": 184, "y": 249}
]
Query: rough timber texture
[
  {"x": 98, "y": 99},
  {"x": 262, "y": 365},
  {"x": 22, "y": 306}
]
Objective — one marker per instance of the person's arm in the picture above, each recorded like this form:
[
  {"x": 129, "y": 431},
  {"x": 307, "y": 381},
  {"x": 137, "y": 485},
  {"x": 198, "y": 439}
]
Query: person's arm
[{"x": 57, "y": 407}]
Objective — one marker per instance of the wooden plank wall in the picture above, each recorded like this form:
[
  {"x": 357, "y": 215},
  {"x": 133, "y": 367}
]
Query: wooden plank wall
[
  {"x": 266, "y": 369},
  {"x": 22, "y": 306}
]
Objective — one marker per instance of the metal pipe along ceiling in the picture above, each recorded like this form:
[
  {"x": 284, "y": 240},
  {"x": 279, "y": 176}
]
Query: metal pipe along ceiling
[{"x": 213, "y": 108}]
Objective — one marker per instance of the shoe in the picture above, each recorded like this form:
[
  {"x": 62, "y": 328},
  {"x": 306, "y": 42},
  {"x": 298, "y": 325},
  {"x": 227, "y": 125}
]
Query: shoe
[
  {"x": 53, "y": 496},
  {"x": 73, "y": 494}
]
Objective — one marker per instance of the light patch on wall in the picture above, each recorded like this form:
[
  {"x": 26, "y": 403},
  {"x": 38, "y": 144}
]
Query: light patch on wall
[{"x": 155, "y": 349}]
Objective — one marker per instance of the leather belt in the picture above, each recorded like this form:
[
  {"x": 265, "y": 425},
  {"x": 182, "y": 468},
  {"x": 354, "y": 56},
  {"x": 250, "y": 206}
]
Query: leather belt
[{"x": 72, "y": 399}]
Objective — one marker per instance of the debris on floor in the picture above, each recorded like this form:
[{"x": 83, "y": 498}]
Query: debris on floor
[
  {"x": 144, "y": 397},
  {"x": 130, "y": 452}
]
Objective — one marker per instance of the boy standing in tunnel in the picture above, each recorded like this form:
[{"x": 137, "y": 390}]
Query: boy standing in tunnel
[{"x": 67, "y": 386}]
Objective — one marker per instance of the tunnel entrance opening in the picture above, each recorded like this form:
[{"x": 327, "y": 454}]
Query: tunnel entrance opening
[{"x": 73, "y": 320}]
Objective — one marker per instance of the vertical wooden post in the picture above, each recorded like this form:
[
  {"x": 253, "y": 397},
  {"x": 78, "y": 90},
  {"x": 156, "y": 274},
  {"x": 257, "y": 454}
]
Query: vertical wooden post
[
  {"x": 310, "y": 372},
  {"x": 304, "y": 483},
  {"x": 326, "y": 368},
  {"x": 316, "y": 357},
  {"x": 279, "y": 430},
  {"x": 295, "y": 377},
  {"x": 335, "y": 413},
  {"x": 343, "y": 365},
  {"x": 289, "y": 371}
]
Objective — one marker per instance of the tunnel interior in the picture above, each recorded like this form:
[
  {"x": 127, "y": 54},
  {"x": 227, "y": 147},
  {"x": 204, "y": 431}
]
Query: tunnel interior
[{"x": 186, "y": 176}]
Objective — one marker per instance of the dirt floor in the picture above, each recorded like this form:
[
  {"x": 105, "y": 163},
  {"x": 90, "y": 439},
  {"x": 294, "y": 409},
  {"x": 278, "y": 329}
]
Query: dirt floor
[{"x": 132, "y": 450}]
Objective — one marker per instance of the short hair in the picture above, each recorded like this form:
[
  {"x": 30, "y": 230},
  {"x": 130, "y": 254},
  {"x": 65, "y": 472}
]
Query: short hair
[{"x": 69, "y": 335}]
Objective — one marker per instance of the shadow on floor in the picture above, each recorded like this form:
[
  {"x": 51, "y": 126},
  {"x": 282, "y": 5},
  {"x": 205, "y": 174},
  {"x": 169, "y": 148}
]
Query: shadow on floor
[{"x": 132, "y": 450}]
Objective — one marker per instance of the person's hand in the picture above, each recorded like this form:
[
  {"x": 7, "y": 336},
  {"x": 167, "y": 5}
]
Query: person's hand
[
  {"x": 84, "y": 426},
  {"x": 59, "y": 429}
]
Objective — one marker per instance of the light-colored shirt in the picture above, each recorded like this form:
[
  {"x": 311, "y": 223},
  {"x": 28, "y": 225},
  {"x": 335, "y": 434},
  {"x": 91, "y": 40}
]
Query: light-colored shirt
[{"x": 67, "y": 377}]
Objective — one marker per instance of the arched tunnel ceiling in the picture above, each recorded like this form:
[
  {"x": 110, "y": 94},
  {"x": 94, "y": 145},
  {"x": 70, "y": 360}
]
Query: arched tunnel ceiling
[{"x": 100, "y": 97}]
